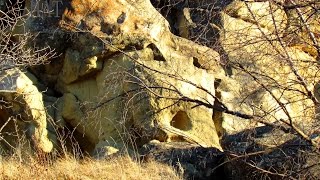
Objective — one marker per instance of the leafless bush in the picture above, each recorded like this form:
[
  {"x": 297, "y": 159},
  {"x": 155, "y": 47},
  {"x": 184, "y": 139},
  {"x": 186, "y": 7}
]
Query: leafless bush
[
  {"x": 16, "y": 54},
  {"x": 15, "y": 48}
]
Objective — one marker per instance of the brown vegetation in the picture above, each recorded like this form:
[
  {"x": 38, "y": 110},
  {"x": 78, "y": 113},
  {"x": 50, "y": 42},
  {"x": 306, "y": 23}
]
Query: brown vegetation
[{"x": 72, "y": 168}]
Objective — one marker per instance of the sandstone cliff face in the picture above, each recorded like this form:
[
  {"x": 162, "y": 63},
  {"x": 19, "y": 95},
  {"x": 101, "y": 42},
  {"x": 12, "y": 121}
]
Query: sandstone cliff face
[{"x": 124, "y": 76}]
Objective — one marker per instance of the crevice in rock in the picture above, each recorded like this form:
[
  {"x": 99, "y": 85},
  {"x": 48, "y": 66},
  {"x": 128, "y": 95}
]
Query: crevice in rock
[
  {"x": 217, "y": 115},
  {"x": 45, "y": 84},
  {"x": 196, "y": 63},
  {"x": 157, "y": 55},
  {"x": 69, "y": 139},
  {"x": 8, "y": 134},
  {"x": 169, "y": 11}
]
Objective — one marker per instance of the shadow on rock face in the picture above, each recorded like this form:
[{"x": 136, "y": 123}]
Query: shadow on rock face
[
  {"x": 265, "y": 152},
  {"x": 259, "y": 153},
  {"x": 193, "y": 162},
  {"x": 9, "y": 10}
]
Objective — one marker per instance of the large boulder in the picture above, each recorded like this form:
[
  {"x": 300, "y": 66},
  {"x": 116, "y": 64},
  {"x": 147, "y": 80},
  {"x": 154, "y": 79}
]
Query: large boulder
[
  {"x": 24, "y": 110},
  {"x": 127, "y": 79}
]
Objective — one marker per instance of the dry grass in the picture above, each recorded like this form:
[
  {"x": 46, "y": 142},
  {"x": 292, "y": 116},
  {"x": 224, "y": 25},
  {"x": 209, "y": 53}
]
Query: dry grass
[{"x": 70, "y": 168}]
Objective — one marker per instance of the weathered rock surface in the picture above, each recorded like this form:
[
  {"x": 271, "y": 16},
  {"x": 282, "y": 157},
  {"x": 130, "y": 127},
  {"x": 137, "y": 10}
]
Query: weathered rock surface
[
  {"x": 266, "y": 14},
  {"x": 256, "y": 54},
  {"x": 106, "y": 93},
  {"x": 23, "y": 98},
  {"x": 122, "y": 78},
  {"x": 247, "y": 34}
]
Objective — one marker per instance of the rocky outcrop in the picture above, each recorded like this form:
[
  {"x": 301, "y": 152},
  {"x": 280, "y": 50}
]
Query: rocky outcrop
[
  {"x": 124, "y": 77},
  {"x": 259, "y": 37},
  {"x": 171, "y": 87},
  {"x": 128, "y": 72}
]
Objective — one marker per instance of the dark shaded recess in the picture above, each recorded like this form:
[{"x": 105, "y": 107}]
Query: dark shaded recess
[
  {"x": 295, "y": 157},
  {"x": 157, "y": 55},
  {"x": 47, "y": 80},
  {"x": 8, "y": 133},
  {"x": 121, "y": 18},
  {"x": 49, "y": 32},
  {"x": 168, "y": 9},
  {"x": 13, "y": 9},
  {"x": 181, "y": 121},
  {"x": 133, "y": 44},
  {"x": 110, "y": 29},
  {"x": 206, "y": 34},
  {"x": 74, "y": 141},
  {"x": 217, "y": 114},
  {"x": 219, "y": 4},
  {"x": 44, "y": 23},
  {"x": 196, "y": 63},
  {"x": 197, "y": 162},
  {"x": 134, "y": 47},
  {"x": 57, "y": 40},
  {"x": 204, "y": 11},
  {"x": 137, "y": 137}
]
